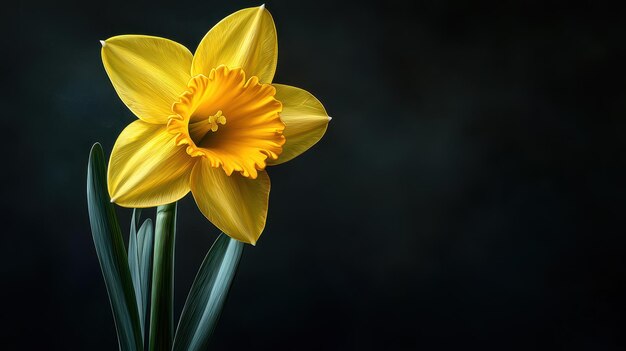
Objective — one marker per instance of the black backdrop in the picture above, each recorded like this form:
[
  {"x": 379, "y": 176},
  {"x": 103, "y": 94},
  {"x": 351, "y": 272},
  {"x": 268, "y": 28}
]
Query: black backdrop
[{"x": 469, "y": 192}]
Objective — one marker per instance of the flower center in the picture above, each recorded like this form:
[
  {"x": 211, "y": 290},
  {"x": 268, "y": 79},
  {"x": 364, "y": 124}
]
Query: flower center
[
  {"x": 233, "y": 122},
  {"x": 200, "y": 129}
]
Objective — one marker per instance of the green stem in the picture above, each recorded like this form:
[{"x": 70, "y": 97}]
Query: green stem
[{"x": 162, "y": 309}]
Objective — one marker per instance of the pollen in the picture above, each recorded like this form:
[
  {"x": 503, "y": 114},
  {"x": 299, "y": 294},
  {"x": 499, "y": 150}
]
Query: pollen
[
  {"x": 217, "y": 118},
  {"x": 198, "y": 130}
]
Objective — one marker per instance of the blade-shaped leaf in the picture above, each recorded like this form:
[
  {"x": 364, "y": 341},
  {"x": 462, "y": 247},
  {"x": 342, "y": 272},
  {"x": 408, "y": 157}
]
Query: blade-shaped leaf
[
  {"x": 162, "y": 309},
  {"x": 111, "y": 253},
  {"x": 208, "y": 294},
  {"x": 141, "y": 238},
  {"x": 133, "y": 265},
  {"x": 145, "y": 237}
]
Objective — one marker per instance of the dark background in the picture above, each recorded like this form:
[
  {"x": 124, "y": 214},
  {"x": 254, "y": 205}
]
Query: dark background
[{"x": 469, "y": 192}]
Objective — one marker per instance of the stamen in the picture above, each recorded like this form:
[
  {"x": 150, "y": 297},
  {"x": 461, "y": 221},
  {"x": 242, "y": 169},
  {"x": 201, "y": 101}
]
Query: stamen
[
  {"x": 217, "y": 118},
  {"x": 198, "y": 130}
]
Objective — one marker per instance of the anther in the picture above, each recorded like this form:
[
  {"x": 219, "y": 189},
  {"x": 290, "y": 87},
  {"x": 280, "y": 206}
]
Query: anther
[{"x": 215, "y": 119}]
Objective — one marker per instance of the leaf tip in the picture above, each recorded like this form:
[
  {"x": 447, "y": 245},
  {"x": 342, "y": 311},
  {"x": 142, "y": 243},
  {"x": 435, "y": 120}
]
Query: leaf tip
[{"x": 95, "y": 146}]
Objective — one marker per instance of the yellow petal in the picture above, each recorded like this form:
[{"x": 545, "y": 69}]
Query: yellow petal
[
  {"x": 246, "y": 39},
  {"x": 235, "y": 204},
  {"x": 148, "y": 73},
  {"x": 305, "y": 121},
  {"x": 146, "y": 168}
]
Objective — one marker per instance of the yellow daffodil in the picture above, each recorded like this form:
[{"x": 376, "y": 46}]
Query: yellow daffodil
[{"x": 208, "y": 123}]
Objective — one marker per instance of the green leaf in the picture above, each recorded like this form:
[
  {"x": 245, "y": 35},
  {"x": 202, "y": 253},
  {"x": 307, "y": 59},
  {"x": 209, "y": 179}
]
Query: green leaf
[
  {"x": 145, "y": 238},
  {"x": 111, "y": 253},
  {"x": 133, "y": 265},
  {"x": 162, "y": 309},
  {"x": 208, "y": 294}
]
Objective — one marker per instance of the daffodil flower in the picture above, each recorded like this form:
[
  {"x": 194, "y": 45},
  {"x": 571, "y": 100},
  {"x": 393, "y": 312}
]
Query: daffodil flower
[{"x": 209, "y": 123}]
